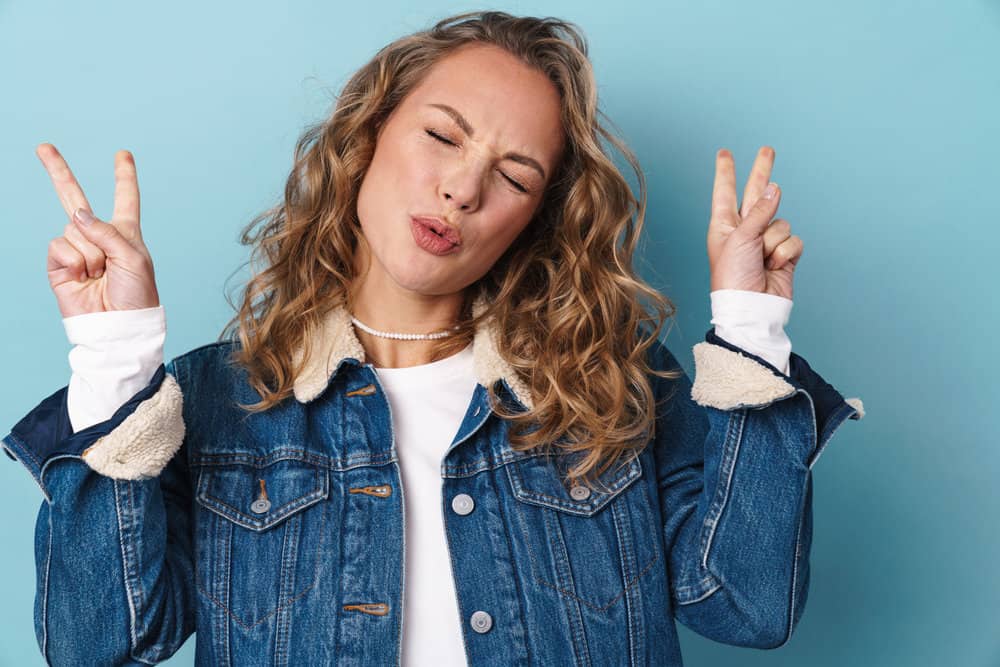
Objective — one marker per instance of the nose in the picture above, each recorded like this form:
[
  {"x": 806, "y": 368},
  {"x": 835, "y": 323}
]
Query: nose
[{"x": 463, "y": 188}]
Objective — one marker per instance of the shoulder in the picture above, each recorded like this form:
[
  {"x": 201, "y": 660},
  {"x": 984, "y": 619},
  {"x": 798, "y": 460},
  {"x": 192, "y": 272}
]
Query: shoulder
[
  {"x": 210, "y": 378},
  {"x": 210, "y": 356}
]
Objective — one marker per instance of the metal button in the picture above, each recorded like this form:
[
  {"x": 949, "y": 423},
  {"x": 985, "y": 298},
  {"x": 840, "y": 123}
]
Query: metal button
[
  {"x": 481, "y": 622},
  {"x": 260, "y": 506},
  {"x": 462, "y": 504},
  {"x": 579, "y": 492}
]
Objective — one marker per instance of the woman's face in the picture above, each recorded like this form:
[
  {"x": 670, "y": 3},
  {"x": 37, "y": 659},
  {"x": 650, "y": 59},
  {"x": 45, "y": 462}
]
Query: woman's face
[{"x": 474, "y": 144}]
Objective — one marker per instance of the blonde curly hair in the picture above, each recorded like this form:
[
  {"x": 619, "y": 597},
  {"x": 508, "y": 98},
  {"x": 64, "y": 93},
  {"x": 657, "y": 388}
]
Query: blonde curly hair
[{"x": 564, "y": 294}]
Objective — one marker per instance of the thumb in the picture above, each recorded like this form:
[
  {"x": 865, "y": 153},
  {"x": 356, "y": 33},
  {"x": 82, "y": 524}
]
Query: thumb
[
  {"x": 760, "y": 216},
  {"x": 105, "y": 236}
]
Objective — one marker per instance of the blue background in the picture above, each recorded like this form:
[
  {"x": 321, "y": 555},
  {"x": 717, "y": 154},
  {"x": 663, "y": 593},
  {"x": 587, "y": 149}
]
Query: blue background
[{"x": 886, "y": 122}]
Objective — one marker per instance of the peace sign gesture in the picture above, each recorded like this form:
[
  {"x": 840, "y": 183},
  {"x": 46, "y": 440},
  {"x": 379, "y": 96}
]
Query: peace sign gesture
[
  {"x": 98, "y": 266},
  {"x": 746, "y": 250}
]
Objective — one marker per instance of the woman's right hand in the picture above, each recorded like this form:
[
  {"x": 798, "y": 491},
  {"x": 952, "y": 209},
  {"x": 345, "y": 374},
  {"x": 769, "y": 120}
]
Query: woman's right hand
[{"x": 103, "y": 266}]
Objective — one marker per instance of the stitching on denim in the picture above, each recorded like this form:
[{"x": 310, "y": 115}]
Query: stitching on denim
[
  {"x": 290, "y": 544},
  {"x": 398, "y": 476},
  {"x": 129, "y": 593},
  {"x": 26, "y": 448},
  {"x": 795, "y": 566},
  {"x": 625, "y": 556},
  {"x": 220, "y": 580},
  {"x": 306, "y": 456},
  {"x": 517, "y": 580},
  {"x": 211, "y": 502},
  {"x": 535, "y": 571},
  {"x": 38, "y": 478},
  {"x": 581, "y": 648},
  {"x": 709, "y": 584},
  {"x": 287, "y": 604},
  {"x": 140, "y": 591},
  {"x": 838, "y": 417},
  {"x": 281, "y": 606},
  {"x": 214, "y": 503},
  {"x": 472, "y": 431},
  {"x": 45, "y": 593},
  {"x": 727, "y": 467},
  {"x": 521, "y": 491}
]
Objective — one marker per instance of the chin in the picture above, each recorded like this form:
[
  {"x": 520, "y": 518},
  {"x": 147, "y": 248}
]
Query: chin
[{"x": 410, "y": 278}]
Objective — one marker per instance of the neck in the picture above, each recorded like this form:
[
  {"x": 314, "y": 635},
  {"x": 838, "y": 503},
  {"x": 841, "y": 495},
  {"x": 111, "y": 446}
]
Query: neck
[{"x": 391, "y": 309}]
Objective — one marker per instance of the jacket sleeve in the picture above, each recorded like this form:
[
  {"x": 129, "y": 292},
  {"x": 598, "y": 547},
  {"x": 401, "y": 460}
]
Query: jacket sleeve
[
  {"x": 734, "y": 453},
  {"x": 113, "y": 547}
]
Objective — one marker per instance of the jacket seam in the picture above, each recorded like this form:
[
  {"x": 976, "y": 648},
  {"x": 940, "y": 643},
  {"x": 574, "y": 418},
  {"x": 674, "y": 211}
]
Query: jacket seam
[
  {"x": 133, "y": 639},
  {"x": 795, "y": 566},
  {"x": 45, "y": 594},
  {"x": 727, "y": 468}
]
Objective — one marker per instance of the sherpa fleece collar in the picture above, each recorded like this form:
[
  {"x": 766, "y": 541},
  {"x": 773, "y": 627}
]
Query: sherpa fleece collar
[{"x": 337, "y": 341}]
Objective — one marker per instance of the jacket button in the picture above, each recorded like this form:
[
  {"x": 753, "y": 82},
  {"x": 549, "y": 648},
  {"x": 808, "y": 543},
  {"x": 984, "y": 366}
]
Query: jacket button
[
  {"x": 462, "y": 504},
  {"x": 579, "y": 492},
  {"x": 481, "y": 622},
  {"x": 260, "y": 506}
]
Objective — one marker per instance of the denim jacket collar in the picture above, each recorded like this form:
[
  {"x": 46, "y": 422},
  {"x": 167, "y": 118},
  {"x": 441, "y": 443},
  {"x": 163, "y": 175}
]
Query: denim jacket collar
[{"x": 337, "y": 342}]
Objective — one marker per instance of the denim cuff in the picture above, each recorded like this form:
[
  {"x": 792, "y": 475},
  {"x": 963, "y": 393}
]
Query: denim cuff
[
  {"x": 46, "y": 434},
  {"x": 827, "y": 401}
]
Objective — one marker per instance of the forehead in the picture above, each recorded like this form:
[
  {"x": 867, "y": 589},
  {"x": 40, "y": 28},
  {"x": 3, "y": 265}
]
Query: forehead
[{"x": 503, "y": 98}]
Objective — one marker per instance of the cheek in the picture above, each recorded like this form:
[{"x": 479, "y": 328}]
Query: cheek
[
  {"x": 503, "y": 234},
  {"x": 413, "y": 166}
]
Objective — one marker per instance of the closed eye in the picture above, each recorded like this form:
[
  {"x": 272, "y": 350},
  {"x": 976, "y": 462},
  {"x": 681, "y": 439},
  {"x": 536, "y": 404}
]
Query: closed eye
[
  {"x": 443, "y": 140},
  {"x": 440, "y": 138},
  {"x": 515, "y": 183}
]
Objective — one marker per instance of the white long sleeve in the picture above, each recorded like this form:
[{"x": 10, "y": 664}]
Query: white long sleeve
[
  {"x": 754, "y": 321},
  {"x": 115, "y": 354}
]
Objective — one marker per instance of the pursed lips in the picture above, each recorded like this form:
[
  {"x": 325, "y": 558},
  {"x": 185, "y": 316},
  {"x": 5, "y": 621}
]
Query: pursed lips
[{"x": 441, "y": 228}]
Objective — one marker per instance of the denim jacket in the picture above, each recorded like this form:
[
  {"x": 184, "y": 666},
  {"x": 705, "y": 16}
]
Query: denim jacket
[{"x": 277, "y": 537}]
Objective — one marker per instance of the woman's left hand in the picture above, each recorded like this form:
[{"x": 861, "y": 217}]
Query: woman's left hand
[{"x": 746, "y": 250}]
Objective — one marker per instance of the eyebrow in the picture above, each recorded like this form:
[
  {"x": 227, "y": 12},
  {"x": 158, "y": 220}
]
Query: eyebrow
[{"x": 468, "y": 129}]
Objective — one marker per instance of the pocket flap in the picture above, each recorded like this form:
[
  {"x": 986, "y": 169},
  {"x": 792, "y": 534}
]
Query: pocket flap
[
  {"x": 537, "y": 480},
  {"x": 236, "y": 491}
]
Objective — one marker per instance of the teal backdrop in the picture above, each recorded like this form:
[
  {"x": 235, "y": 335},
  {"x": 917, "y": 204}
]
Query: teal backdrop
[{"x": 885, "y": 117}]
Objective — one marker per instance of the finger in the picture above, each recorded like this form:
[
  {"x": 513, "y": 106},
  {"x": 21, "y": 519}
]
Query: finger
[
  {"x": 760, "y": 176},
  {"x": 65, "y": 262},
  {"x": 724, "y": 188},
  {"x": 92, "y": 255},
  {"x": 775, "y": 234},
  {"x": 756, "y": 221},
  {"x": 107, "y": 237},
  {"x": 126, "y": 211},
  {"x": 787, "y": 253},
  {"x": 67, "y": 188}
]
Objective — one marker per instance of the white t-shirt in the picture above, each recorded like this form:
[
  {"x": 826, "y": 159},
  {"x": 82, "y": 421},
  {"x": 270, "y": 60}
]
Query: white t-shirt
[{"x": 428, "y": 403}]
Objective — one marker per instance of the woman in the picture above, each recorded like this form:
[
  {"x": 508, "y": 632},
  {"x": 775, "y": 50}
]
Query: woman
[{"x": 447, "y": 305}]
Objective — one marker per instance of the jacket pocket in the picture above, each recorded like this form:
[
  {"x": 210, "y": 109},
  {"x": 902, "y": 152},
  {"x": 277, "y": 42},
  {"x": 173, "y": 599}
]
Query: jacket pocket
[
  {"x": 260, "y": 533},
  {"x": 589, "y": 545}
]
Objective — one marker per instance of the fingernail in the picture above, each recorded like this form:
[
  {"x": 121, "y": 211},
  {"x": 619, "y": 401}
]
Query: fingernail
[
  {"x": 84, "y": 217},
  {"x": 98, "y": 274},
  {"x": 771, "y": 190}
]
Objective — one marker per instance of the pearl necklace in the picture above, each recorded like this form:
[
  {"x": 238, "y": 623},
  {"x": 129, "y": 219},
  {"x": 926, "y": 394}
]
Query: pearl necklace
[{"x": 400, "y": 336}]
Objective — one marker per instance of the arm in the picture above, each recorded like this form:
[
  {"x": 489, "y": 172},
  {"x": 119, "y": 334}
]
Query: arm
[
  {"x": 114, "y": 355},
  {"x": 755, "y": 322},
  {"x": 113, "y": 547},
  {"x": 734, "y": 453}
]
